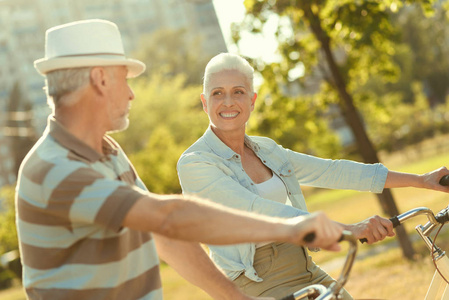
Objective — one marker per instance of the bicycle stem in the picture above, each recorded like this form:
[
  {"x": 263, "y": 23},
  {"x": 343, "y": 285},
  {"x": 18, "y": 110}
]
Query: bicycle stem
[
  {"x": 436, "y": 252},
  {"x": 424, "y": 231},
  {"x": 338, "y": 285}
]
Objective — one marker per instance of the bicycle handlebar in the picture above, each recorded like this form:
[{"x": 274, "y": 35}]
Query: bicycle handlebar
[
  {"x": 321, "y": 291},
  {"x": 444, "y": 180},
  {"x": 441, "y": 218}
]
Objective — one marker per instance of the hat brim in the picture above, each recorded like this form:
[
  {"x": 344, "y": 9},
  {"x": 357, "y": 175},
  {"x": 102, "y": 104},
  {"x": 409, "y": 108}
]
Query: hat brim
[{"x": 44, "y": 66}]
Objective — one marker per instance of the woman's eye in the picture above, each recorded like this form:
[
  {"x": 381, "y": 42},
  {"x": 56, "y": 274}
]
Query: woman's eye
[{"x": 216, "y": 93}]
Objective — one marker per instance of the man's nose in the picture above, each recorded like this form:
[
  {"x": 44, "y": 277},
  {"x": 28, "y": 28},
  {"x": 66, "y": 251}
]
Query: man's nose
[{"x": 131, "y": 94}]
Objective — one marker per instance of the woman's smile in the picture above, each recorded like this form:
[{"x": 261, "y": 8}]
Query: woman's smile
[{"x": 229, "y": 115}]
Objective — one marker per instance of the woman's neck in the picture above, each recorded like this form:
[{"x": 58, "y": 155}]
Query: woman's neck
[{"x": 233, "y": 139}]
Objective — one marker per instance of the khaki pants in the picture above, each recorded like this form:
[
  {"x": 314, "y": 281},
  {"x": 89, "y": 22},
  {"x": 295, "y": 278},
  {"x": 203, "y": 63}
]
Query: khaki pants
[{"x": 284, "y": 268}]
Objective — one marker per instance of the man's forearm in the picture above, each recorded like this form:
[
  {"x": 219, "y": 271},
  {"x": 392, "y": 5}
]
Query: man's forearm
[{"x": 198, "y": 220}]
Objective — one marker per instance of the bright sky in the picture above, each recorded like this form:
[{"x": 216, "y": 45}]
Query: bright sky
[
  {"x": 233, "y": 11},
  {"x": 260, "y": 46}
]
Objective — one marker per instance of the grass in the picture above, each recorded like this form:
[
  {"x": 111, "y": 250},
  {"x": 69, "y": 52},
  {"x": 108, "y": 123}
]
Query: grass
[
  {"x": 389, "y": 276},
  {"x": 386, "y": 275}
]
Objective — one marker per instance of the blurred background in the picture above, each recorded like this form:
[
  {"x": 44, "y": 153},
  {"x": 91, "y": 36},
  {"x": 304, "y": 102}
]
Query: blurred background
[{"x": 361, "y": 80}]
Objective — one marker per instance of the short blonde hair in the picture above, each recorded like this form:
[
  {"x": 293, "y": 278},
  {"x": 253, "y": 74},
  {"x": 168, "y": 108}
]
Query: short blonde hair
[{"x": 228, "y": 61}]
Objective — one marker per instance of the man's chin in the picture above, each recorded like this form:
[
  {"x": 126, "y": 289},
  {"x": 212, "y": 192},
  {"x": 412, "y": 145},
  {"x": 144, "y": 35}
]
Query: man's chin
[{"x": 120, "y": 128}]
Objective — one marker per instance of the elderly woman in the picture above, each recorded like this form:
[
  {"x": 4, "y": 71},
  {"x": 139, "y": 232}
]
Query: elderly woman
[{"x": 255, "y": 174}]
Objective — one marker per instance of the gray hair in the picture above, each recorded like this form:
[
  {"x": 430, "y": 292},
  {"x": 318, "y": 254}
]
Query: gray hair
[
  {"x": 228, "y": 61},
  {"x": 65, "y": 81}
]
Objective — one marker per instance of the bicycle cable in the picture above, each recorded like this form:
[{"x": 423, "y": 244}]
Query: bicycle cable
[{"x": 433, "y": 256}]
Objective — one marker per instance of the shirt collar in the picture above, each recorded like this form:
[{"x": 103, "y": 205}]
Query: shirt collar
[
  {"x": 77, "y": 146},
  {"x": 221, "y": 149}
]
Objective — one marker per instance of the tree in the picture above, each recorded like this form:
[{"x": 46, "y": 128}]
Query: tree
[
  {"x": 156, "y": 163},
  {"x": 172, "y": 52},
  {"x": 165, "y": 119},
  {"x": 295, "y": 122},
  {"x": 344, "y": 42},
  {"x": 426, "y": 37}
]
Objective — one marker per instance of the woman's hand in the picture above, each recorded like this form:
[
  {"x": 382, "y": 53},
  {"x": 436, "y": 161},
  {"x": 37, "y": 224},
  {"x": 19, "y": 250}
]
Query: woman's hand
[{"x": 431, "y": 180}]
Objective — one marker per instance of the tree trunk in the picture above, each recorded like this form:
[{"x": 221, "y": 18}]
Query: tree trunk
[{"x": 354, "y": 121}]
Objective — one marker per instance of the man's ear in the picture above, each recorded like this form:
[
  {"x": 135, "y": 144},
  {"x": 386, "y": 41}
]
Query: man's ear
[
  {"x": 204, "y": 101},
  {"x": 98, "y": 78}
]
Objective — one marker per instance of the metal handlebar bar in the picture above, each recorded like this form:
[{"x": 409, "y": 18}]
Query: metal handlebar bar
[
  {"x": 425, "y": 230},
  {"x": 321, "y": 292}
]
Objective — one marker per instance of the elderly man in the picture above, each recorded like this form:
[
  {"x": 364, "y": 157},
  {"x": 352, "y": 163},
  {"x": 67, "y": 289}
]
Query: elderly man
[{"x": 88, "y": 227}]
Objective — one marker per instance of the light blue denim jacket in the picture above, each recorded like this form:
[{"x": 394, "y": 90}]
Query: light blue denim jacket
[{"x": 211, "y": 170}]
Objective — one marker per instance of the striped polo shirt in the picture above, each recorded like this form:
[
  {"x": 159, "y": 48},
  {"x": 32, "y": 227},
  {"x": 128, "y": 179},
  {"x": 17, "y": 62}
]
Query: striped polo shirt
[{"x": 70, "y": 204}]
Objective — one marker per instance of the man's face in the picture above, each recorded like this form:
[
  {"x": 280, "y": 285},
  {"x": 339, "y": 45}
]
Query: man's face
[{"x": 119, "y": 99}]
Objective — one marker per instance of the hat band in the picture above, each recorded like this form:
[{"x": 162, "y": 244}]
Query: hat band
[{"x": 89, "y": 54}]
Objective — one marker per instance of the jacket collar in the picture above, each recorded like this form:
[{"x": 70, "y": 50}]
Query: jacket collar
[{"x": 221, "y": 149}]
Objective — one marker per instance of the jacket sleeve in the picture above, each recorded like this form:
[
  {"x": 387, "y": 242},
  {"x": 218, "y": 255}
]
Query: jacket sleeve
[
  {"x": 206, "y": 180},
  {"x": 338, "y": 174}
]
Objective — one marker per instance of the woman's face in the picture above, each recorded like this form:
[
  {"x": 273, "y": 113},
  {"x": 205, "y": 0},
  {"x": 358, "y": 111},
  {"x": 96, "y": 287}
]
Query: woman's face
[{"x": 228, "y": 101}]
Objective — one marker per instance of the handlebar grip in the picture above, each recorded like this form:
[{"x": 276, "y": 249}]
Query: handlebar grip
[
  {"x": 393, "y": 220},
  {"x": 310, "y": 237},
  {"x": 444, "y": 180},
  {"x": 289, "y": 297}
]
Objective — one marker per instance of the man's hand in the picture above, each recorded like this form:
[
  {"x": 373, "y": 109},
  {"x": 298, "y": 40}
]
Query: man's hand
[
  {"x": 373, "y": 229},
  {"x": 327, "y": 232}
]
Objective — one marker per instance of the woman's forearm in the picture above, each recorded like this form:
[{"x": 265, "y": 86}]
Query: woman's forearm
[
  {"x": 428, "y": 180},
  {"x": 399, "y": 179}
]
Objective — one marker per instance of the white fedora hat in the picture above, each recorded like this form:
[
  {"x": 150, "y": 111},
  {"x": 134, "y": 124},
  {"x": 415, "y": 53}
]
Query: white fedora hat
[{"x": 86, "y": 43}]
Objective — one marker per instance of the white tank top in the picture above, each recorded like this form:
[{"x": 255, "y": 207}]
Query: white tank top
[{"x": 272, "y": 189}]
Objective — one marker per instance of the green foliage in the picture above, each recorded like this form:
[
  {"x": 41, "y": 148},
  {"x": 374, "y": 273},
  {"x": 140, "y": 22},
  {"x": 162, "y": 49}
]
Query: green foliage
[
  {"x": 391, "y": 118},
  {"x": 427, "y": 43},
  {"x": 294, "y": 122},
  {"x": 156, "y": 163},
  {"x": 8, "y": 232},
  {"x": 172, "y": 52},
  {"x": 381, "y": 48},
  {"x": 165, "y": 119}
]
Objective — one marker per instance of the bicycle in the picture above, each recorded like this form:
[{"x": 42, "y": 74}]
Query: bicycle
[
  {"x": 320, "y": 292},
  {"x": 440, "y": 281}
]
